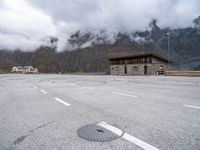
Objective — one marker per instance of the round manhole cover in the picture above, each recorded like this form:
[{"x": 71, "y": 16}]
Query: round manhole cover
[{"x": 97, "y": 133}]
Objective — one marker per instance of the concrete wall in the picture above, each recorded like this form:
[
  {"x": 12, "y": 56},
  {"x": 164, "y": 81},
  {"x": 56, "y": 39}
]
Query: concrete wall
[{"x": 136, "y": 69}]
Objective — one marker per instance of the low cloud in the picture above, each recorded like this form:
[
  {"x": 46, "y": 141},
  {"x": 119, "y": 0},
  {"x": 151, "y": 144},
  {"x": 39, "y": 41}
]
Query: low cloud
[
  {"x": 22, "y": 26},
  {"x": 23, "y": 23}
]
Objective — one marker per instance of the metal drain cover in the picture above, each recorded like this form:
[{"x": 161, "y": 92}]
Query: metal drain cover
[{"x": 97, "y": 133}]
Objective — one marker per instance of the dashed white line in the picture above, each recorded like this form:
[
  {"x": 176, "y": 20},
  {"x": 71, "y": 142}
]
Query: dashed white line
[
  {"x": 89, "y": 88},
  {"x": 62, "y": 102},
  {"x": 191, "y": 106},
  {"x": 163, "y": 90},
  {"x": 43, "y": 91},
  {"x": 123, "y": 94},
  {"x": 35, "y": 87},
  {"x": 127, "y": 136},
  {"x": 73, "y": 85}
]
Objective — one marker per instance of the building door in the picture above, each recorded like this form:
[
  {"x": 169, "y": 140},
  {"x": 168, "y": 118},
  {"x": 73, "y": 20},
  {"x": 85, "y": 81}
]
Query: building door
[
  {"x": 125, "y": 69},
  {"x": 145, "y": 70}
]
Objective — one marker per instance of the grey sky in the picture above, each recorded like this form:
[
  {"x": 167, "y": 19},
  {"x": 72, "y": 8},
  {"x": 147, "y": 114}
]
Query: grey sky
[{"x": 23, "y": 23}]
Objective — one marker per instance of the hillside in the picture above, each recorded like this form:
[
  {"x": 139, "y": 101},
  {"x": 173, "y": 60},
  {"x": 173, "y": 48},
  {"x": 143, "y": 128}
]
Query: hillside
[{"x": 91, "y": 52}]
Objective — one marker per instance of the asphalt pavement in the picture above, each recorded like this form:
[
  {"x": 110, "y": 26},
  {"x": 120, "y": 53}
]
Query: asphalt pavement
[{"x": 44, "y": 112}]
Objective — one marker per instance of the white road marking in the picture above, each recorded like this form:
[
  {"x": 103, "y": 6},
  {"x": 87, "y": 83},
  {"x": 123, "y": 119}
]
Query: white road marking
[
  {"x": 43, "y": 91},
  {"x": 89, "y": 88},
  {"x": 138, "y": 142},
  {"x": 35, "y": 87},
  {"x": 123, "y": 94},
  {"x": 62, "y": 102},
  {"x": 29, "y": 84},
  {"x": 163, "y": 90},
  {"x": 111, "y": 128},
  {"x": 73, "y": 84},
  {"x": 127, "y": 136},
  {"x": 191, "y": 106}
]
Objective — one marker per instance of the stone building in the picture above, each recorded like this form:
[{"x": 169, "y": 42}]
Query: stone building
[
  {"x": 144, "y": 64},
  {"x": 24, "y": 69}
]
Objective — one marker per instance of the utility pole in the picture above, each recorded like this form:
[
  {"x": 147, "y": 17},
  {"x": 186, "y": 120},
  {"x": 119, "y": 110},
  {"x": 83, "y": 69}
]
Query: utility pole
[{"x": 169, "y": 47}]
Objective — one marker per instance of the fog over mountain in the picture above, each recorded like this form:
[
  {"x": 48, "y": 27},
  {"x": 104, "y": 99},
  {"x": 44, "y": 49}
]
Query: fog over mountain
[{"x": 27, "y": 24}]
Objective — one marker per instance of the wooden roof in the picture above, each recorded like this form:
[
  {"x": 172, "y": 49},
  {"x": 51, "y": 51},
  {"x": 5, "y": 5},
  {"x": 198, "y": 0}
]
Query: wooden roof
[{"x": 139, "y": 56}]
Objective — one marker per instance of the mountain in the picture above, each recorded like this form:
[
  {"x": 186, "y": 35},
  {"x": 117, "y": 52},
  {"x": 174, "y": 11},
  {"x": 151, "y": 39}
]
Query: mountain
[{"x": 91, "y": 51}]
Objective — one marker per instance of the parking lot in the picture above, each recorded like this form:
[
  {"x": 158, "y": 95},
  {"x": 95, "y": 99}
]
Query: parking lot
[{"x": 46, "y": 112}]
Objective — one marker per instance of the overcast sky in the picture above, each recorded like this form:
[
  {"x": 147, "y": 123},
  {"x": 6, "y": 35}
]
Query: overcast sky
[{"x": 23, "y": 23}]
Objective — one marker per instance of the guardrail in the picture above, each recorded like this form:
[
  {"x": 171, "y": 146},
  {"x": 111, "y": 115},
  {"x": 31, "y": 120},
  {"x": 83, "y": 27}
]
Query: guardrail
[{"x": 182, "y": 73}]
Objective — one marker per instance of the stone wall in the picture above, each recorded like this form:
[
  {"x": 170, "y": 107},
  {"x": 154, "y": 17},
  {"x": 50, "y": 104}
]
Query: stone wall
[
  {"x": 117, "y": 69},
  {"x": 136, "y": 69},
  {"x": 153, "y": 70}
]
